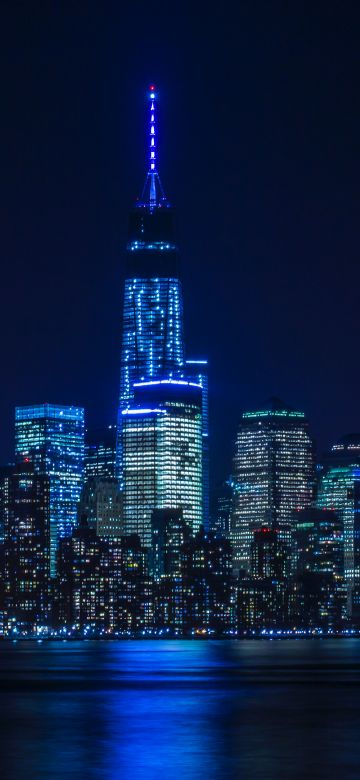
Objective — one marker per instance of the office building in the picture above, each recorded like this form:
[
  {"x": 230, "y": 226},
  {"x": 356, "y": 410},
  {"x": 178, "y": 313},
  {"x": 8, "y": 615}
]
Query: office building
[
  {"x": 100, "y": 453},
  {"x": 52, "y": 438},
  {"x": 162, "y": 454},
  {"x": 272, "y": 473}
]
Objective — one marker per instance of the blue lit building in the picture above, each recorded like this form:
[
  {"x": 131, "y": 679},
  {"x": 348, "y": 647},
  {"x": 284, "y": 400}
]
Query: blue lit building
[
  {"x": 152, "y": 333},
  {"x": 198, "y": 371},
  {"x": 52, "y": 439}
]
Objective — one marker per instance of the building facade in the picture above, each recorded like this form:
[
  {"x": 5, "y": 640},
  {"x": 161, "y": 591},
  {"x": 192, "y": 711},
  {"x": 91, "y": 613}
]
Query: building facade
[
  {"x": 162, "y": 454},
  {"x": 52, "y": 438},
  {"x": 273, "y": 473},
  {"x": 26, "y": 549}
]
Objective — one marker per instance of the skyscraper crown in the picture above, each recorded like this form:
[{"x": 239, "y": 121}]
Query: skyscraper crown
[{"x": 153, "y": 196}]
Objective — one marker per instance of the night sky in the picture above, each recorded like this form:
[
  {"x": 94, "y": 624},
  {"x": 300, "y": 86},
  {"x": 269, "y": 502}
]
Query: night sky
[{"x": 259, "y": 152}]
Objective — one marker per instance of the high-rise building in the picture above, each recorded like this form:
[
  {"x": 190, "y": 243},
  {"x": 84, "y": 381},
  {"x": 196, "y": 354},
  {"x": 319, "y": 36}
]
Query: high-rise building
[
  {"x": 162, "y": 454},
  {"x": 320, "y": 590},
  {"x": 52, "y": 439},
  {"x": 100, "y": 453},
  {"x": 273, "y": 473},
  {"x": 319, "y": 542},
  {"x": 26, "y": 549},
  {"x": 339, "y": 490},
  {"x": 198, "y": 371},
  {"x": 152, "y": 333}
]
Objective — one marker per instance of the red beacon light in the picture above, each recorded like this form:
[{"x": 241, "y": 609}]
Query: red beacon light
[{"x": 152, "y": 88}]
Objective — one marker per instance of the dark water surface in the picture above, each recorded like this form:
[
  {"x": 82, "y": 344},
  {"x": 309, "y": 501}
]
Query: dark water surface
[{"x": 180, "y": 709}]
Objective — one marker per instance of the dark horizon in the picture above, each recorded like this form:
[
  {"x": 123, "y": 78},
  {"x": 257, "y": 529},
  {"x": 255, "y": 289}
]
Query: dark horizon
[{"x": 258, "y": 152}]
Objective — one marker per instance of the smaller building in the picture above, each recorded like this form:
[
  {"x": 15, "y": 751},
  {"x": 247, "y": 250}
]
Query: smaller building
[
  {"x": 100, "y": 453},
  {"x": 102, "y": 504}
]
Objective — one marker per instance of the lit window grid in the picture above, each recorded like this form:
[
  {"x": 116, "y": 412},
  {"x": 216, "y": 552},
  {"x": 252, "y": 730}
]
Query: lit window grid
[
  {"x": 162, "y": 467},
  {"x": 52, "y": 437},
  {"x": 339, "y": 489},
  {"x": 273, "y": 471}
]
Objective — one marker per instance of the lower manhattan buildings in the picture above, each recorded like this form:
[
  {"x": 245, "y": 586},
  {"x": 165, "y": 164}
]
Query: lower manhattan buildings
[{"x": 109, "y": 536}]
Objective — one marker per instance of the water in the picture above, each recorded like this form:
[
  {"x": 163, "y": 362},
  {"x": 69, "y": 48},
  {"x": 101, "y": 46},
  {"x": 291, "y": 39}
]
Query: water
[{"x": 180, "y": 709}]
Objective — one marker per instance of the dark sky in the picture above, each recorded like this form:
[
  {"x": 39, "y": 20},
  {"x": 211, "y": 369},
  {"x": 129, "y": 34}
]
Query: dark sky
[{"x": 259, "y": 152}]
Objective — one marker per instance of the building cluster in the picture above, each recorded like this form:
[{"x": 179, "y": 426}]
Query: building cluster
[{"x": 110, "y": 532}]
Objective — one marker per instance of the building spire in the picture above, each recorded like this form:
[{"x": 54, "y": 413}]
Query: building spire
[{"x": 153, "y": 194}]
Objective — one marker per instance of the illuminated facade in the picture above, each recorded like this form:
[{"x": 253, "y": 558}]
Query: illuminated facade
[
  {"x": 26, "y": 548},
  {"x": 339, "y": 489},
  {"x": 162, "y": 454},
  {"x": 198, "y": 371},
  {"x": 152, "y": 333},
  {"x": 273, "y": 473},
  {"x": 52, "y": 438}
]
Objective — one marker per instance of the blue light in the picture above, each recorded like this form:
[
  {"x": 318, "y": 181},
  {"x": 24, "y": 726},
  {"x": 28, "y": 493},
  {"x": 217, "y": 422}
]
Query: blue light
[{"x": 143, "y": 411}]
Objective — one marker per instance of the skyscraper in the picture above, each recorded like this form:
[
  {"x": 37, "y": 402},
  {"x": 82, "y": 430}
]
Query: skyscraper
[
  {"x": 52, "y": 438},
  {"x": 339, "y": 489},
  {"x": 273, "y": 473},
  {"x": 152, "y": 333},
  {"x": 162, "y": 454}
]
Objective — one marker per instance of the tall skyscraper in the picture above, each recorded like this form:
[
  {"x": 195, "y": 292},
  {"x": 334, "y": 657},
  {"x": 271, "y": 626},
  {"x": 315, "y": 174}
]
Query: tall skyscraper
[
  {"x": 162, "y": 454},
  {"x": 273, "y": 473},
  {"x": 52, "y": 439},
  {"x": 152, "y": 333}
]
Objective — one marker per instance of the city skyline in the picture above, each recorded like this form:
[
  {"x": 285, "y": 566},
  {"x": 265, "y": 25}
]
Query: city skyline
[{"x": 272, "y": 172}]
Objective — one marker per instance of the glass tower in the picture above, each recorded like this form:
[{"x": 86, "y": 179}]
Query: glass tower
[
  {"x": 52, "y": 438},
  {"x": 339, "y": 489},
  {"x": 162, "y": 454},
  {"x": 152, "y": 332},
  {"x": 273, "y": 473}
]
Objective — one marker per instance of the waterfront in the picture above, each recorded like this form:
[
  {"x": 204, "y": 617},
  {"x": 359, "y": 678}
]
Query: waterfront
[{"x": 247, "y": 709}]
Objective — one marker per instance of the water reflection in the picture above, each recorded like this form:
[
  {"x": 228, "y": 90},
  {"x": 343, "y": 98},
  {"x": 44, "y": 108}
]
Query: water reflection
[{"x": 185, "y": 709}]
